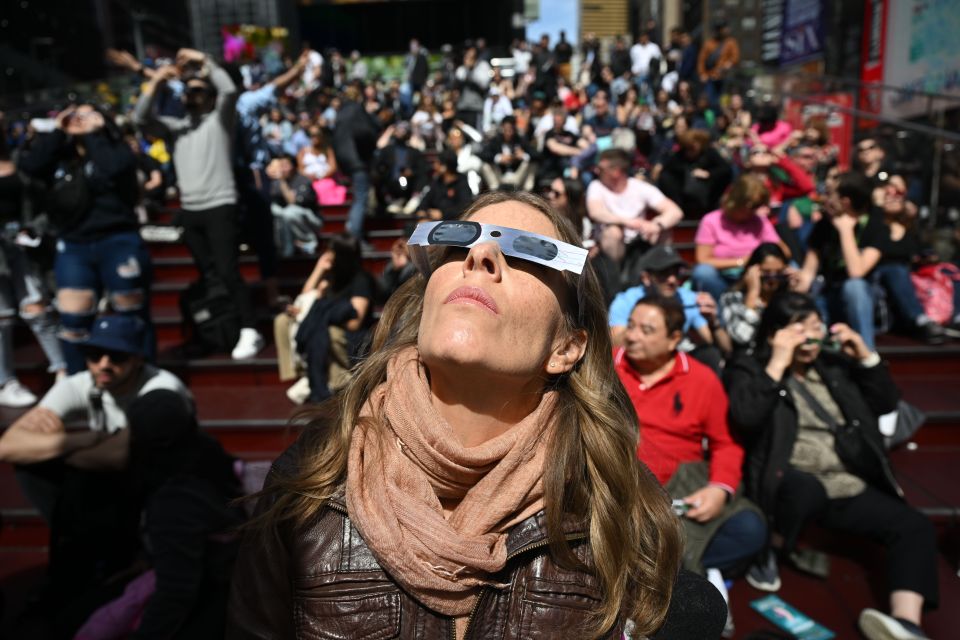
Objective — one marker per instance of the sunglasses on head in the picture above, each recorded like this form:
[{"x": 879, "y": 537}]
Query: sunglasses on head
[{"x": 95, "y": 354}]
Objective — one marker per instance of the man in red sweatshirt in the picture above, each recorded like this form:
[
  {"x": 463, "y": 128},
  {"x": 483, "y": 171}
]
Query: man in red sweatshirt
[{"x": 681, "y": 404}]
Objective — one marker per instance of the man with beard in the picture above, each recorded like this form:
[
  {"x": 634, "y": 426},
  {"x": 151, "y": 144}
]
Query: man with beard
[
  {"x": 202, "y": 143},
  {"x": 78, "y": 479}
]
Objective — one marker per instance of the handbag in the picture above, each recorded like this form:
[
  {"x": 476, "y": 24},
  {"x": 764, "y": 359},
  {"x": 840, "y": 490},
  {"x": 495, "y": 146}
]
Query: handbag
[
  {"x": 849, "y": 441},
  {"x": 909, "y": 420}
]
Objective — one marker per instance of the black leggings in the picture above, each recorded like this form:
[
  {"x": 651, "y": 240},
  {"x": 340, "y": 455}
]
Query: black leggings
[
  {"x": 906, "y": 533},
  {"x": 211, "y": 236}
]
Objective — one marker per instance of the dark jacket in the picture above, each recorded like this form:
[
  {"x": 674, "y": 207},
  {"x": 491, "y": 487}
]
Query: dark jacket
[
  {"x": 495, "y": 146},
  {"x": 694, "y": 195},
  {"x": 354, "y": 137},
  {"x": 764, "y": 417},
  {"x": 414, "y": 168},
  {"x": 450, "y": 198},
  {"x": 325, "y": 582},
  {"x": 110, "y": 169}
]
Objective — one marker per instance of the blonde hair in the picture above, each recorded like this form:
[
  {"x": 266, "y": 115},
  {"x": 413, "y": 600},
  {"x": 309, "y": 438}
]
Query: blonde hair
[
  {"x": 746, "y": 192},
  {"x": 591, "y": 473}
]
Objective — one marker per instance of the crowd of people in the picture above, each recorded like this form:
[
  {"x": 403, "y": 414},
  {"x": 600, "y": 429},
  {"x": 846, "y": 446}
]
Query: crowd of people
[{"x": 799, "y": 262}]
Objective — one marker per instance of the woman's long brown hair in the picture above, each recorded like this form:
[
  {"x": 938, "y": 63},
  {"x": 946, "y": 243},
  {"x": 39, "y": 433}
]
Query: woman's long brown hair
[{"x": 591, "y": 472}]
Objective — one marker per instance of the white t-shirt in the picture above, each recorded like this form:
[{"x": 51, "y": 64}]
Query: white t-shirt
[
  {"x": 641, "y": 56},
  {"x": 633, "y": 202},
  {"x": 71, "y": 398}
]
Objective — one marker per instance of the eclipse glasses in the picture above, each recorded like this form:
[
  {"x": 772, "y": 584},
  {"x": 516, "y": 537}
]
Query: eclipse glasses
[{"x": 524, "y": 245}]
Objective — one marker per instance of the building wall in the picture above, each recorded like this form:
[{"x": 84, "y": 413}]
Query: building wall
[{"x": 605, "y": 18}]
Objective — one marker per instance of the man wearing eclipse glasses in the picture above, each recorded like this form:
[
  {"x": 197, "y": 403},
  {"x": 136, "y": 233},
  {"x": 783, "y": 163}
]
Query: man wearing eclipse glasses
[{"x": 39, "y": 443}]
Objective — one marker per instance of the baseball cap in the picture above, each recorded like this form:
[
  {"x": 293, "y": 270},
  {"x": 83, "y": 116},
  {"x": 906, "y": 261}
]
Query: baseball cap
[
  {"x": 117, "y": 333},
  {"x": 661, "y": 258}
]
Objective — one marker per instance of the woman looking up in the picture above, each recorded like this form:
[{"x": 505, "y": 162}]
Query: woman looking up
[{"x": 482, "y": 454}]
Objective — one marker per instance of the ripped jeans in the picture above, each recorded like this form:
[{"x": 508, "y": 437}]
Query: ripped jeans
[
  {"x": 118, "y": 265},
  {"x": 21, "y": 294}
]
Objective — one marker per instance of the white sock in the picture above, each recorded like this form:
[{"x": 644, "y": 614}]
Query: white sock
[{"x": 716, "y": 579}]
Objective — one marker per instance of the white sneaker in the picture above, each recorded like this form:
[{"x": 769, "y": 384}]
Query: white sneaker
[
  {"x": 14, "y": 394},
  {"x": 879, "y": 626},
  {"x": 249, "y": 344}
]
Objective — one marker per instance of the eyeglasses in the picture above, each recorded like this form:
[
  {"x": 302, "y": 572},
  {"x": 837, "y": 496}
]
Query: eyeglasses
[
  {"x": 869, "y": 147},
  {"x": 757, "y": 152},
  {"x": 95, "y": 354},
  {"x": 895, "y": 191},
  {"x": 680, "y": 273},
  {"x": 524, "y": 245}
]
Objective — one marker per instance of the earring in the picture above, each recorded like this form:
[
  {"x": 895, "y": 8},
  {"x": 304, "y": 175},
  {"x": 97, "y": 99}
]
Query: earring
[{"x": 553, "y": 364}]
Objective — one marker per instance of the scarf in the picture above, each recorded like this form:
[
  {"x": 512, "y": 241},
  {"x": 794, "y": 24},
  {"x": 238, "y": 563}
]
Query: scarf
[{"x": 404, "y": 459}]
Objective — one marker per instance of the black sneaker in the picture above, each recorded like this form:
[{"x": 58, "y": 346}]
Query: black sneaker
[
  {"x": 933, "y": 333},
  {"x": 764, "y": 573},
  {"x": 879, "y": 626}
]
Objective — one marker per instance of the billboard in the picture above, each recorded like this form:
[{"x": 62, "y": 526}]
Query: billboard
[
  {"x": 922, "y": 53},
  {"x": 802, "y": 38},
  {"x": 871, "y": 66}
]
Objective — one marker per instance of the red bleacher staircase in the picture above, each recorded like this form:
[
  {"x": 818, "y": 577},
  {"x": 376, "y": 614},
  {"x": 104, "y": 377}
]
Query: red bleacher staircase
[{"x": 244, "y": 405}]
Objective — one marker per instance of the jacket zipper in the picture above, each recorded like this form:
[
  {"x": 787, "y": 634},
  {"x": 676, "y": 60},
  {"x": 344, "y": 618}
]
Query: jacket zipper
[{"x": 476, "y": 603}]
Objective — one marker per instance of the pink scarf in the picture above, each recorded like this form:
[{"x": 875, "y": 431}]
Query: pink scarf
[{"x": 405, "y": 458}]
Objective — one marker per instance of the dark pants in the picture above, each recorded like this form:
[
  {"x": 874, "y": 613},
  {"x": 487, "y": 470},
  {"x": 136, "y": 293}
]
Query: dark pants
[
  {"x": 258, "y": 221},
  {"x": 905, "y": 532},
  {"x": 94, "y": 522},
  {"x": 211, "y": 236},
  {"x": 737, "y": 542}
]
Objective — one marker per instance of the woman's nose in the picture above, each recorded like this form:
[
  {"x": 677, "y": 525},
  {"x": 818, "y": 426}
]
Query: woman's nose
[{"x": 485, "y": 257}]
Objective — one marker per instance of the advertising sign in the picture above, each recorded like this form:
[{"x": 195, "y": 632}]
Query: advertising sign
[
  {"x": 802, "y": 31},
  {"x": 922, "y": 53},
  {"x": 871, "y": 68},
  {"x": 839, "y": 123}
]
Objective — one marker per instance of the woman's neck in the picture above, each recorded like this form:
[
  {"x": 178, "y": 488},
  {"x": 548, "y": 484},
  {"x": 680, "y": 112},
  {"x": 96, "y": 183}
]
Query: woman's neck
[
  {"x": 480, "y": 408},
  {"x": 799, "y": 369},
  {"x": 653, "y": 371}
]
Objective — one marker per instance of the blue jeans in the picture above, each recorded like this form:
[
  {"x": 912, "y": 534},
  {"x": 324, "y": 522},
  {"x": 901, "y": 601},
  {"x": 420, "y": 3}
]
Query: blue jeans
[
  {"x": 20, "y": 290},
  {"x": 117, "y": 264},
  {"x": 737, "y": 541},
  {"x": 713, "y": 89},
  {"x": 851, "y": 301},
  {"x": 708, "y": 278},
  {"x": 895, "y": 278},
  {"x": 358, "y": 210}
]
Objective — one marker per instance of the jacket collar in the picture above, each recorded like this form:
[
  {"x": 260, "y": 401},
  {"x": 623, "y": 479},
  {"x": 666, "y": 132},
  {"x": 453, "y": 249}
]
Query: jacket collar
[{"x": 529, "y": 532}]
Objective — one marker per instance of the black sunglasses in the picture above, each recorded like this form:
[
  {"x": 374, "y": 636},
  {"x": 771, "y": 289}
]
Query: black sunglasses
[{"x": 95, "y": 354}]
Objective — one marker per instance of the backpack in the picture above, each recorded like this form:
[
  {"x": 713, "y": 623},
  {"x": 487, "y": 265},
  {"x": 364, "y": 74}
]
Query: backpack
[
  {"x": 935, "y": 284},
  {"x": 210, "y": 317}
]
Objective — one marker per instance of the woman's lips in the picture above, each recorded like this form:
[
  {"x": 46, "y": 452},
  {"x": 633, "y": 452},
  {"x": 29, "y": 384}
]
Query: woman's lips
[{"x": 472, "y": 295}]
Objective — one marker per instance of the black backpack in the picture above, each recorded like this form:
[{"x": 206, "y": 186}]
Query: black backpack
[{"x": 210, "y": 317}]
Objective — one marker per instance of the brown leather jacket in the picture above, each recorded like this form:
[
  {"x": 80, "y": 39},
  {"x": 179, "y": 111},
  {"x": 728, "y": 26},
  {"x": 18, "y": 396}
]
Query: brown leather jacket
[{"x": 324, "y": 582}]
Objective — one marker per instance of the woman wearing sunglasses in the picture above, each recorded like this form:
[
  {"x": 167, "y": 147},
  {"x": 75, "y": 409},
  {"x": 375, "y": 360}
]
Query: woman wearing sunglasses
[
  {"x": 477, "y": 477},
  {"x": 805, "y": 403},
  {"x": 899, "y": 244},
  {"x": 764, "y": 275}
]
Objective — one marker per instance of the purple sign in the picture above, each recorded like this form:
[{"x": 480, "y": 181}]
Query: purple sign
[{"x": 803, "y": 22}]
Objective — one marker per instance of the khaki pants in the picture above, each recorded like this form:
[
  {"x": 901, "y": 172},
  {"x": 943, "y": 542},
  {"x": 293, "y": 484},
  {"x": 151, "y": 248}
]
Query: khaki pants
[{"x": 291, "y": 367}]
